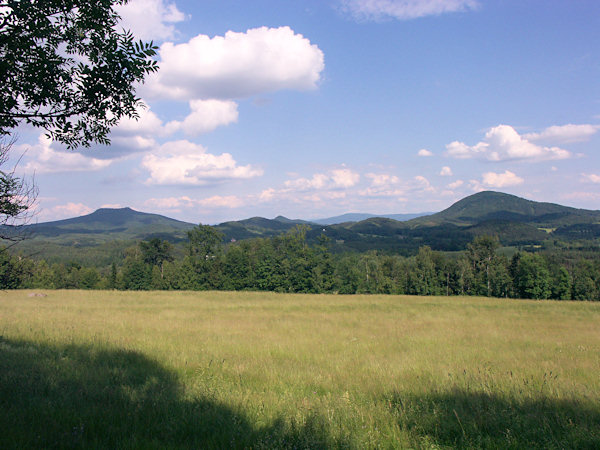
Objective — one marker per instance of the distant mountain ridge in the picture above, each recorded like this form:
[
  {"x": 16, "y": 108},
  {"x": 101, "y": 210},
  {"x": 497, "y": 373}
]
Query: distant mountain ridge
[
  {"x": 358, "y": 217},
  {"x": 516, "y": 221}
]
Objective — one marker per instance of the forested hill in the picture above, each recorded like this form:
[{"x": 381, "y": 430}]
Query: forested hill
[
  {"x": 118, "y": 223},
  {"x": 516, "y": 221},
  {"x": 497, "y": 206}
]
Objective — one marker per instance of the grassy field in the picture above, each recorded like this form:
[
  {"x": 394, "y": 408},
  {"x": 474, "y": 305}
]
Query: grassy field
[{"x": 261, "y": 370}]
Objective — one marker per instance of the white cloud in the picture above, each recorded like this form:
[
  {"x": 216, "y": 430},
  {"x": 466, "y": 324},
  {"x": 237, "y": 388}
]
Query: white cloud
[
  {"x": 591, "y": 178},
  {"x": 446, "y": 171},
  {"x": 183, "y": 162},
  {"x": 335, "y": 179},
  {"x": 150, "y": 19},
  {"x": 424, "y": 152},
  {"x": 403, "y": 9},
  {"x": 267, "y": 195},
  {"x": 384, "y": 185},
  {"x": 563, "y": 134},
  {"x": 65, "y": 211},
  {"x": 236, "y": 65},
  {"x": 497, "y": 180},
  {"x": 131, "y": 135},
  {"x": 147, "y": 124},
  {"x": 216, "y": 201},
  {"x": 423, "y": 183},
  {"x": 456, "y": 184},
  {"x": 503, "y": 143},
  {"x": 42, "y": 158},
  {"x": 378, "y": 180},
  {"x": 344, "y": 178},
  {"x": 206, "y": 115}
]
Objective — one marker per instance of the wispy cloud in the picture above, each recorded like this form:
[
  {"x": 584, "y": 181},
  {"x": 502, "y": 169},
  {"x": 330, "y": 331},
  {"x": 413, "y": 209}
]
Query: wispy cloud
[
  {"x": 591, "y": 178},
  {"x": 564, "y": 134},
  {"x": 403, "y": 9}
]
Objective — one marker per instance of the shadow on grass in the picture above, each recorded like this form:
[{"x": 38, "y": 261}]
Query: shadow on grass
[
  {"x": 76, "y": 396},
  {"x": 463, "y": 419}
]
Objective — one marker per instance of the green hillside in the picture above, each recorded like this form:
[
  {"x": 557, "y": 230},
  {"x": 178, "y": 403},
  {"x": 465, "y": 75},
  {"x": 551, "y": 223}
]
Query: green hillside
[
  {"x": 489, "y": 206},
  {"x": 97, "y": 238}
]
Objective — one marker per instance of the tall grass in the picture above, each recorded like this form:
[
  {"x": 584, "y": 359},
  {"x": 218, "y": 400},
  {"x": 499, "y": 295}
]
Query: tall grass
[{"x": 261, "y": 370}]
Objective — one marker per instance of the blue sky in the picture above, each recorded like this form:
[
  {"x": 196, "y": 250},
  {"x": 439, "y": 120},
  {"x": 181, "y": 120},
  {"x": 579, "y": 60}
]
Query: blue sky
[{"x": 311, "y": 109}]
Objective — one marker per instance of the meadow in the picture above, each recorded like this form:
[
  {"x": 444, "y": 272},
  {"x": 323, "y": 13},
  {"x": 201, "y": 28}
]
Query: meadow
[{"x": 108, "y": 369}]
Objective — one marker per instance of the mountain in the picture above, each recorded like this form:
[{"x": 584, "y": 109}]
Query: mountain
[
  {"x": 497, "y": 206},
  {"x": 516, "y": 221},
  {"x": 357, "y": 217},
  {"x": 109, "y": 224}
]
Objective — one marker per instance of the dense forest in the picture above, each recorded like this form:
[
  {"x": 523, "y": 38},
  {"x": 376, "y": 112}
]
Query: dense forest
[{"x": 288, "y": 263}]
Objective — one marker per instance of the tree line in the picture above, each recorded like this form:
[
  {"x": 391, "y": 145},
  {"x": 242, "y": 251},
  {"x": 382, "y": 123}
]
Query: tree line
[{"x": 287, "y": 263}]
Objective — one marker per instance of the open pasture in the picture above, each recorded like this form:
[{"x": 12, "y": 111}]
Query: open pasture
[{"x": 262, "y": 370}]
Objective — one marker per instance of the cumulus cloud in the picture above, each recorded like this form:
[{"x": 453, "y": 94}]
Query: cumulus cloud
[
  {"x": 185, "y": 163},
  {"x": 146, "y": 124},
  {"x": 503, "y": 143},
  {"x": 42, "y": 158},
  {"x": 446, "y": 171},
  {"x": 206, "y": 115},
  {"x": 335, "y": 179},
  {"x": 150, "y": 19},
  {"x": 424, "y": 152},
  {"x": 131, "y": 135},
  {"x": 403, "y": 9},
  {"x": 497, "y": 180},
  {"x": 564, "y": 134},
  {"x": 591, "y": 178},
  {"x": 236, "y": 65}
]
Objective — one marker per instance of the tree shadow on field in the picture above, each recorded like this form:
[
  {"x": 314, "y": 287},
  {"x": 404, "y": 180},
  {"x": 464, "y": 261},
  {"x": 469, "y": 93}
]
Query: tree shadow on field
[
  {"x": 73, "y": 396},
  {"x": 465, "y": 419}
]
